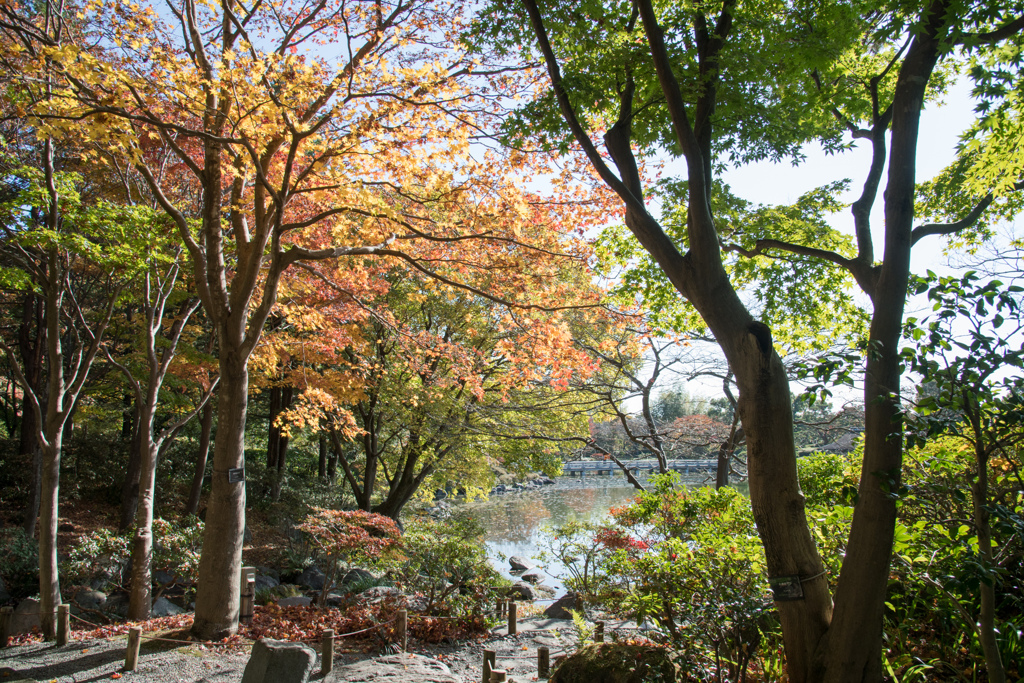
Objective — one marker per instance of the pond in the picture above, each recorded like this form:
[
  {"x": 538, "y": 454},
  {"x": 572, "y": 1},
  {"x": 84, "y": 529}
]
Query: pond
[{"x": 515, "y": 522}]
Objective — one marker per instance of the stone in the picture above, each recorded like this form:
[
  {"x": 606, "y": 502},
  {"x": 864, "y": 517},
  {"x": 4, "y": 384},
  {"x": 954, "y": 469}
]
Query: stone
[
  {"x": 162, "y": 607},
  {"x": 296, "y": 601},
  {"x": 117, "y": 603},
  {"x": 90, "y": 599},
  {"x": 618, "y": 663},
  {"x": 440, "y": 494},
  {"x": 269, "y": 571},
  {"x": 356, "y": 575},
  {"x": 523, "y": 590},
  {"x": 532, "y": 577},
  {"x": 246, "y": 535},
  {"x": 25, "y": 617},
  {"x": 560, "y": 608},
  {"x": 519, "y": 562},
  {"x": 378, "y": 593},
  {"x": 311, "y": 577},
  {"x": 544, "y": 591},
  {"x": 264, "y": 582},
  {"x": 400, "y": 668},
  {"x": 279, "y": 661}
]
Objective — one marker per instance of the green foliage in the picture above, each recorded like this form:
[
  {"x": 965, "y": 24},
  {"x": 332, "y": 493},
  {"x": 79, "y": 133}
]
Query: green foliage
[
  {"x": 20, "y": 568},
  {"x": 688, "y": 560},
  {"x": 446, "y": 561},
  {"x": 103, "y": 554}
]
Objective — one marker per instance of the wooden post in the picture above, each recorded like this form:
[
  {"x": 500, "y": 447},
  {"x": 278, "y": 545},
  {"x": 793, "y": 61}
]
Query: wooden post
[
  {"x": 248, "y": 601},
  {"x": 490, "y": 658},
  {"x": 543, "y": 661},
  {"x": 131, "y": 658},
  {"x": 512, "y": 625},
  {"x": 327, "y": 651},
  {"x": 6, "y": 614},
  {"x": 498, "y": 676},
  {"x": 402, "y": 629},
  {"x": 499, "y": 608},
  {"x": 599, "y": 632},
  {"x": 63, "y": 624}
]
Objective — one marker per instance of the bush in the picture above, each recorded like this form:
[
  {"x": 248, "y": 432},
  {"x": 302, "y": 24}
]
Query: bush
[
  {"x": 345, "y": 537},
  {"x": 21, "y": 562},
  {"x": 447, "y": 563},
  {"x": 105, "y": 555},
  {"x": 690, "y": 561}
]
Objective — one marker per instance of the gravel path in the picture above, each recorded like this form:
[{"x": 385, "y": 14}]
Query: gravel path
[{"x": 103, "y": 659}]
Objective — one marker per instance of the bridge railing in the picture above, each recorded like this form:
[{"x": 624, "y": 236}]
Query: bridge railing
[{"x": 608, "y": 465}]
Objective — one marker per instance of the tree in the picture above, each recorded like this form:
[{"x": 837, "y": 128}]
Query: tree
[
  {"x": 977, "y": 397},
  {"x": 733, "y": 81},
  {"x": 59, "y": 248},
  {"x": 444, "y": 382},
  {"x": 160, "y": 344}
]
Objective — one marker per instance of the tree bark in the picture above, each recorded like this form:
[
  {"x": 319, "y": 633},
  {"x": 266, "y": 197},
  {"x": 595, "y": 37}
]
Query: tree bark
[
  {"x": 321, "y": 466},
  {"x": 217, "y": 599},
  {"x": 206, "y": 430},
  {"x": 133, "y": 473},
  {"x": 140, "y": 600},
  {"x": 32, "y": 349}
]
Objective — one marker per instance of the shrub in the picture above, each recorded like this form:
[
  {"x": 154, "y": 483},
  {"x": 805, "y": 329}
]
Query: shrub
[
  {"x": 346, "y": 537},
  {"x": 447, "y": 563},
  {"x": 690, "y": 561},
  {"x": 20, "y": 570},
  {"x": 105, "y": 555}
]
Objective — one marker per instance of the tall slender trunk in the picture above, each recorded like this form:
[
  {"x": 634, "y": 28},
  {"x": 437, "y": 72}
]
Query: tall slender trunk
[
  {"x": 49, "y": 577},
  {"x": 321, "y": 466},
  {"x": 133, "y": 473},
  {"x": 192, "y": 507},
  {"x": 217, "y": 599},
  {"x": 987, "y": 589},
  {"x": 32, "y": 349},
  {"x": 141, "y": 597}
]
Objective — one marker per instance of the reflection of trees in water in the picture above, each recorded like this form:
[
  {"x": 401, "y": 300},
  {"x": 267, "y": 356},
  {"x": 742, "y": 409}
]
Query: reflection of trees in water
[{"x": 515, "y": 518}]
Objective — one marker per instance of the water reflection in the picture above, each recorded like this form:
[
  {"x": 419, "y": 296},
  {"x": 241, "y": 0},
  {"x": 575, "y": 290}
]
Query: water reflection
[{"x": 514, "y": 523}]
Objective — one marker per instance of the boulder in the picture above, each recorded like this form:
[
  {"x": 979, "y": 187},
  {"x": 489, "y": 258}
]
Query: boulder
[
  {"x": 25, "y": 617},
  {"x": 356, "y": 575},
  {"x": 162, "y": 607},
  {"x": 521, "y": 589},
  {"x": 269, "y": 571},
  {"x": 312, "y": 578},
  {"x": 246, "y": 535},
  {"x": 532, "y": 577},
  {"x": 378, "y": 593},
  {"x": 619, "y": 663},
  {"x": 117, "y": 603},
  {"x": 90, "y": 599},
  {"x": 440, "y": 494},
  {"x": 296, "y": 601},
  {"x": 401, "y": 668},
  {"x": 279, "y": 661},
  {"x": 265, "y": 581},
  {"x": 519, "y": 562},
  {"x": 544, "y": 591},
  {"x": 560, "y": 608}
]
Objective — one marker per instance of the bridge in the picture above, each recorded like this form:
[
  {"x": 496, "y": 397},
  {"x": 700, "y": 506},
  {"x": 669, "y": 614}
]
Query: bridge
[{"x": 609, "y": 467}]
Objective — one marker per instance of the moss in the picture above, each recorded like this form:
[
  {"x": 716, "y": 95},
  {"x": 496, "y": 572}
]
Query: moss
[{"x": 618, "y": 663}]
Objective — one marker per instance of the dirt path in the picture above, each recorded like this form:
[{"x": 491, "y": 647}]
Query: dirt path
[{"x": 102, "y": 659}]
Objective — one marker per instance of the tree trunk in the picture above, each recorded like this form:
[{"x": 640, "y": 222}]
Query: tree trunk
[
  {"x": 282, "y": 448},
  {"x": 217, "y": 599},
  {"x": 34, "y": 493},
  {"x": 140, "y": 600},
  {"x": 32, "y": 365},
  {"x": 49, "y": 578},
  {"x": 192, "y": 507},
  {"x": 273, "y": 433},
  {"x": 321, "y": 467},
  {"x": 132, "y": 475},
  {"x": 987, "y": 588}
]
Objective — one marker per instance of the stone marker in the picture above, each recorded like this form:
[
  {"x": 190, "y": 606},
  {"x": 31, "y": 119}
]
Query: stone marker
[{"x": 279, "y": 661}]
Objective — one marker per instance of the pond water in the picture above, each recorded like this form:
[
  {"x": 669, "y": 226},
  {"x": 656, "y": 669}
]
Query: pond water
[{"x": 515, "y": 522}]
